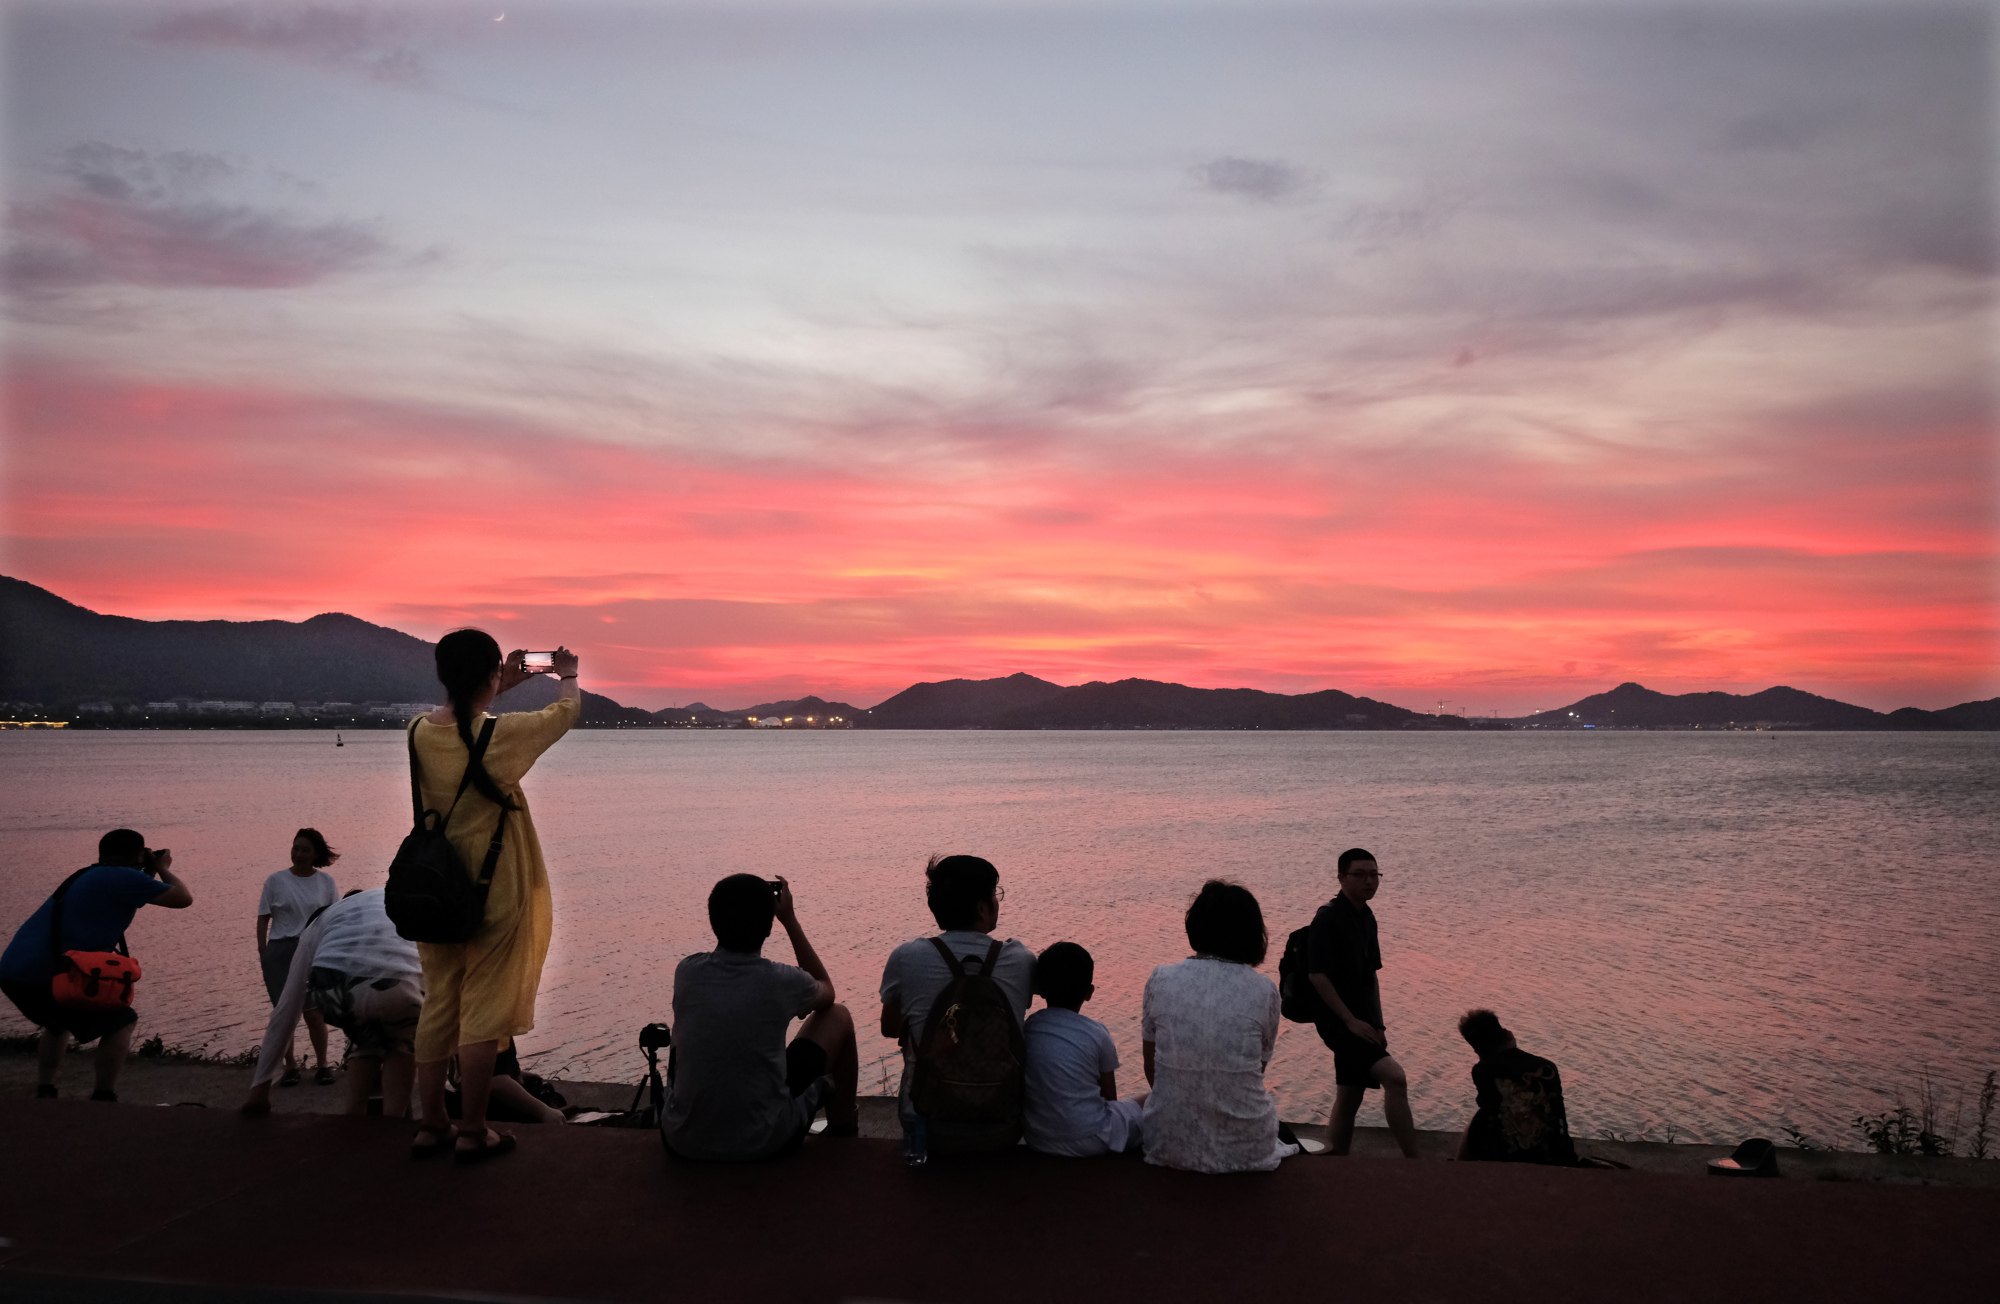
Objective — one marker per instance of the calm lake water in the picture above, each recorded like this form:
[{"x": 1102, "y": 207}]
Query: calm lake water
[{"x": 1714, "y": 933}]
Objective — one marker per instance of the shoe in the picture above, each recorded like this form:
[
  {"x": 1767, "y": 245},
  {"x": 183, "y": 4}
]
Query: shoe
[
  {"x": 106, "y": 1095},
  {"x": 291, "y": 1078},
  {"x": 444, "y": 1135},
  {"x": 45, "y": 1091},
  {"x": 324, "y": 1077},
  {"x": 485, "y": 1150}
]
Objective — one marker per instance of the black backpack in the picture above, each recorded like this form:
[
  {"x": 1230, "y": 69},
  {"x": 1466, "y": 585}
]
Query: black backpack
[
  {"x": 430, "y": 897},
  {"x": 971, "y": 1062},
  {"x": 1298, "y": 999}
]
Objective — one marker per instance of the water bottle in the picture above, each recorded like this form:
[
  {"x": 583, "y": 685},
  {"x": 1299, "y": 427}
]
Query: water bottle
[{"x": 916, "y": 1142}]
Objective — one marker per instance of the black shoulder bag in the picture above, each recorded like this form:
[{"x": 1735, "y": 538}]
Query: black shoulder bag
[{"x": 430, "y": 897}]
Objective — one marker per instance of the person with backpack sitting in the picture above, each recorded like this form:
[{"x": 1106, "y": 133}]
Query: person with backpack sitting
[
  {"x": 955, "y": 1002},
  {"x": 88, "y": 914},
  {"x": 1209, "y": 1025},
  {"x": 736, "y": 1090}
]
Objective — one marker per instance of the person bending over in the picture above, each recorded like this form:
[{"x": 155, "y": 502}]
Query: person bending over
[
  {"x": 737, "y": 1091},
  {"x": 1520, "y": 1118},
  {"x": 289, "y": 898},
  {"x": 1210, "y": 1024},
  {"x": 357, "y": 973},
  {"x": 1345, "y": 954},
  {"x": 1072, "y": 1106}
]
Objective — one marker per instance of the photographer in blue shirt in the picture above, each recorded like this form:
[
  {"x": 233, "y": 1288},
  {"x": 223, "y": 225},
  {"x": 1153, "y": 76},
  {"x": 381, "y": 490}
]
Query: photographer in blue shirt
[{"x": 96, "y": 911}]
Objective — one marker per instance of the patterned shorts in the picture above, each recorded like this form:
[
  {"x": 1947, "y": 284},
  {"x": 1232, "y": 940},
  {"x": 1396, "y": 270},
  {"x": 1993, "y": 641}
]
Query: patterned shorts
[{"x": 379, "y": 1015}]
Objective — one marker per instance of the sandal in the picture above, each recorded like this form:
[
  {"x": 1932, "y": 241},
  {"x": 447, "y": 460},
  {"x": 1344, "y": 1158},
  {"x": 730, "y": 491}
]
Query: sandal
[
  {"x": 291, "y": 1078},
  {"x": 324, "y": 1077},
  {"x": 484, "y": 1150},
  {"x": 443, "y": 1133}
]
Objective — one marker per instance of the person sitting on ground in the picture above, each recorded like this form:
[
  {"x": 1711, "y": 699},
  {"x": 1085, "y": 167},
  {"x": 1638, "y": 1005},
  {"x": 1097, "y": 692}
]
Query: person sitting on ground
[
  {"x": 1072, "y": 1106},
  {"x": 1520, "y": 1118},
  {"x": 1209, "y": 1025},
  {"x": 290, "y": 897},
  {"x": 964, "y": 896},
  {"x": 97, "y": 908},
  {"x": 738, "y": 1092},
  {"x": 361, "y": 976}
]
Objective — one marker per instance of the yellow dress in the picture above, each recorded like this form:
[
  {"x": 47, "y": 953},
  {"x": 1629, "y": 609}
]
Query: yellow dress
[{"x": 484, "y": 989}]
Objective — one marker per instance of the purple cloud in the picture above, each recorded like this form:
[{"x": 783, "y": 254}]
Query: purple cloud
[
  {"x": 132, "y": 217},
  {"x": 346, "y": 40}
]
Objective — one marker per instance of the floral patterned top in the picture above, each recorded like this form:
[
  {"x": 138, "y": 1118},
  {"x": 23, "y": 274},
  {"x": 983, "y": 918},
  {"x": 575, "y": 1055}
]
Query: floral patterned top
[{"x": 1213, "y": 1025}]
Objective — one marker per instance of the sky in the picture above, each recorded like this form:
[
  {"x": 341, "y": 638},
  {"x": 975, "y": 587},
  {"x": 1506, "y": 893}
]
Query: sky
[{"x": 1488, "y": 354}]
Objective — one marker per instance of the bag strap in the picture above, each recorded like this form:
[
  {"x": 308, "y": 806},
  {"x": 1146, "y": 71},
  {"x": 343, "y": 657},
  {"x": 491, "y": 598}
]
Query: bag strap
[
  {"x": 992, "y": 959},
  {"x": 957, "y": 969},
  {"x": 465, "y": 780},
  {"x": 55, "y": 919}
]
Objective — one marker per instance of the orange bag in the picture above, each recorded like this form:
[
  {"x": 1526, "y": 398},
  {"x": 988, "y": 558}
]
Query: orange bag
[{"x": 95, "y": 980}]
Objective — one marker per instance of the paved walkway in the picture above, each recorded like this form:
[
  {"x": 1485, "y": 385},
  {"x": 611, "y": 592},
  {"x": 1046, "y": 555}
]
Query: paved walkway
[{"x": 318, "y": 1204}]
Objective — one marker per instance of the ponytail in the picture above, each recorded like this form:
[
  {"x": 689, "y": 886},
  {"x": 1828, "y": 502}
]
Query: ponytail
[{"x": 466, "y": 659}]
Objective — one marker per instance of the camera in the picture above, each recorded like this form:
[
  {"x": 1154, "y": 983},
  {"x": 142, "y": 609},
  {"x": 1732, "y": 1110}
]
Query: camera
[
  {"x": 655, "y": 1035},
  {"x": 777, "y": 888},
  {"x": 538, "y": 663},
  {"x": 150, "y": 860}
]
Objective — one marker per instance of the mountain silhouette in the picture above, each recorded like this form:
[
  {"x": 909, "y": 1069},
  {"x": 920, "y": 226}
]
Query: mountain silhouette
[
  {"x": 959, "y": 703},
  {"x": 1633, "y": 705}
]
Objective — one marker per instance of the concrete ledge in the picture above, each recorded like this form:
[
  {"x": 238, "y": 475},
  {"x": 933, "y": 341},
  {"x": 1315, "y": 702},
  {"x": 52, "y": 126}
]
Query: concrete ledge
[{"x": 309, "y": 1203}]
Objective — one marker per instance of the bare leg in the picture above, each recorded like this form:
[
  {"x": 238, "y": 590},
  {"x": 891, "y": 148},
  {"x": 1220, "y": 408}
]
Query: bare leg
[
  {"x": 1340, "y": 1122},
  {"x": 1396, "y": 1104},
  {"x": 362, "y": 1072},
  {"x": 397, "y": 1072},
  {"x": 111, "y": 1051},
  {"x": 518, "y": 1096},
  {"x": 475, "y": 1085},
  {"x": 316, "y": 1030},
  {"x": 430, "y": 1093},
  {"x": 49, "y": 1056},
  {"x": 833, "y": 1030}
]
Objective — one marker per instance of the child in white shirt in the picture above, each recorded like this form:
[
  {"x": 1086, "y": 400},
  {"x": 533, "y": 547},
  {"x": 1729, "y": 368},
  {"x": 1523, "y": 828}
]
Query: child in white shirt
[{"x": 1072, "y": 1105}]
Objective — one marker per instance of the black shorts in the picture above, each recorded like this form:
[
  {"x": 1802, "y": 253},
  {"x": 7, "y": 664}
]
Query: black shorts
[
  {"x": 39, "y": 1005},
  {"x": 805, "y": 1064},
  {"x": 276, "y": 963},
  {"x": 1354, "y": 1057}
]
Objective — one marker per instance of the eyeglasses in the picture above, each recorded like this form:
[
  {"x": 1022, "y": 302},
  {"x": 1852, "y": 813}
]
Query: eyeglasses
[
  {"x": 1364, "y": 873},
  {"x": 999, "y": 894}
]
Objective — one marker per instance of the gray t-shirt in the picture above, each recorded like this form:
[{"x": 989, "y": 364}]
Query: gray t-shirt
[
  {"x": 731, "y": 1012},
  {"x": 916, "y": 973}
]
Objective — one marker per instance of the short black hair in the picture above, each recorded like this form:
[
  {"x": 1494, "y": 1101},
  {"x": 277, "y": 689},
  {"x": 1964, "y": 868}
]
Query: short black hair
[
  {"x": 323, "y": 855},
  {"x": 119, "y": 845},
  {"x": 1349, "y": 856},
  {"x": 1063, "y": 975},
  {"x": 956, "y": 887},
  {"x": 1225, "y": 921},
  {"x": 1482, "y": 1030},
  {"x": 740, "y": 910}
]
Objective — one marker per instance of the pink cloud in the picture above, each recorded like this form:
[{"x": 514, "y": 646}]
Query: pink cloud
[{"x": 1808, "y": 556}]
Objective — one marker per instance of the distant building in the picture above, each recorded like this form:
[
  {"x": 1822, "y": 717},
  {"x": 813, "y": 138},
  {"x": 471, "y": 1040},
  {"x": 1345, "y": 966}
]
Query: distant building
[
  {"x": 95, "y": 708},
  {"x": 277, "y": 708},
  {"x": 163, "y": 708}
]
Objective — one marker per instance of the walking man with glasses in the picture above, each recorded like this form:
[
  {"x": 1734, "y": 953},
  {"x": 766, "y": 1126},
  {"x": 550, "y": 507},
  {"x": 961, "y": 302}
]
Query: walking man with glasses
[{"x": 1343, "y": 959}]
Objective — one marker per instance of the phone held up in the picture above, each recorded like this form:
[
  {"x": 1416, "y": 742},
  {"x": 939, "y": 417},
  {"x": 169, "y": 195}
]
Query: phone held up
[{"x": 538, "y": 663}]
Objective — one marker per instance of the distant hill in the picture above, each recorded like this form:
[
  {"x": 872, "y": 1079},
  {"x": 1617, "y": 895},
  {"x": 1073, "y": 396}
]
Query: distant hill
[
  {"x": 1973, "y": 715},
  {"x": 1150, "y": 704},
  {"x": 959, "y": 703},
  {"x": 1634, "y": 706},
  {"x": 58, "y": 654},
  {"x": 813, "y": 706},
  {"x": 541, "y": 690},
  {"x": 1024, "y": 702}
]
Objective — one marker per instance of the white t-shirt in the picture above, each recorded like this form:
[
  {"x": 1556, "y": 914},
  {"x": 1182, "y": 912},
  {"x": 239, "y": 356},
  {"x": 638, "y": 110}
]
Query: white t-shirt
[
  {"x": 290, "y": 900},
  {"x": 1066, "y": 1113},
  {"x": 916, "y": 973}
]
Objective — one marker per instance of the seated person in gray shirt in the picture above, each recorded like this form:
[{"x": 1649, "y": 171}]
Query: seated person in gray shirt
[{"x": 737, "y": 1091}]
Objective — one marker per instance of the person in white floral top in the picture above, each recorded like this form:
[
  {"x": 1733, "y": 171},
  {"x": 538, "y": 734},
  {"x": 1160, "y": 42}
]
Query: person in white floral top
[{"x": 1209, "y": 1025}]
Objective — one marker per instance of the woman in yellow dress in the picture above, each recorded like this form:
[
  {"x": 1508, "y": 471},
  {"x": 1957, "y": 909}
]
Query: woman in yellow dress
[{"x": 481, "y": 992}]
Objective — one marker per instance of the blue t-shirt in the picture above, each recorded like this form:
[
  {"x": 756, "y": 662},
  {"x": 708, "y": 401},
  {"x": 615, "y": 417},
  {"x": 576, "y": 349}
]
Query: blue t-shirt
[{"x": 97, "y": 910}]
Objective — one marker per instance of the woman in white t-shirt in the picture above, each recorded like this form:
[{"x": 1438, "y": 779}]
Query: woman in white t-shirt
[
  {"x": 1208, "y": 1028},
  {"x": 289, "y": 899}
]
